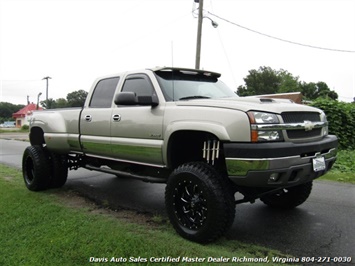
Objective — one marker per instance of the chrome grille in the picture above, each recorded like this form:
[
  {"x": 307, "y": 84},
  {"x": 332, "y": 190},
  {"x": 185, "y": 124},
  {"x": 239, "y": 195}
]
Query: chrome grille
[
  {"x": 297, "y": 117},
  {"x": 300, "y": 134},
  {"x": 300, "y": 117}
]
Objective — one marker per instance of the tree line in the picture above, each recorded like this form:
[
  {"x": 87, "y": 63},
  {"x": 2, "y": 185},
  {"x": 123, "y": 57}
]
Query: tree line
[
  {"x": 266, "y": 80},
  {"x": 73, "y": 99}
]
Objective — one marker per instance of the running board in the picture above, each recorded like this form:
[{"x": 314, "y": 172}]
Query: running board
[{"x": 149, "y": 179}]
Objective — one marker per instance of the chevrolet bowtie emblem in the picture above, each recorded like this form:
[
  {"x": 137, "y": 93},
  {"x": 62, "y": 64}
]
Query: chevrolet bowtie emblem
[{"x": 308, "y": 125}]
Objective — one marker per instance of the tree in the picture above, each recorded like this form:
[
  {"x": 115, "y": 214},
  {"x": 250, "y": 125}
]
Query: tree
[
  {"x": 61, "y": 103},
  {"x": 266, "y": 80},
  {"x": 7, "y": 109},
  {"x": 76, "y": 98},
  {"x": 289, "y": 83},
  {"x": 50, "y": 104},
  {"x": 312, "y": 91}
]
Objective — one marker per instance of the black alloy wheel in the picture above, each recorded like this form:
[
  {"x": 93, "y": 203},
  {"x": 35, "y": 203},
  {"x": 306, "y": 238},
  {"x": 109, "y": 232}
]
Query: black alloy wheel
[{"x": 199, "y": 204}]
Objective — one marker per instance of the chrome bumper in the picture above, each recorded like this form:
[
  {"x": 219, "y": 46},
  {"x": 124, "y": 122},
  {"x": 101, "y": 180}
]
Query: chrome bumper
[{"x": 279, "y": 167}]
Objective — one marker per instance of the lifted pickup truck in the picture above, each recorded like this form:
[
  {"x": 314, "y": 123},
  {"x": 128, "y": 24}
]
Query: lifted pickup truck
[{"x": 185, "y": 128}]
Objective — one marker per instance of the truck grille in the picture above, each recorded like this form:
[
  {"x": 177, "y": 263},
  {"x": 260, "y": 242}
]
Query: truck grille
[{"x": 300, "y": 117}]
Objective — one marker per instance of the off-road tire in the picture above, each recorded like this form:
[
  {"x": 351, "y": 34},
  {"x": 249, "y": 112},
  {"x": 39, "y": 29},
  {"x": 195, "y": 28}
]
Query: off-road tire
[
  {"x": 59, "y": 170},
  {"x": 36, "y": 168},
  {"x": 199, "y": 205},
  {"x": 290, "y": 197}
]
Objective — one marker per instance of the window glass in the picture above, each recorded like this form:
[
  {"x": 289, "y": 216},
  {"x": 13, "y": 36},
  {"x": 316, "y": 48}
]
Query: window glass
[
  {"x": 140, "y": 84},
  {"x": 103, "y": 93},
  {"x": 177, "y": 85}
]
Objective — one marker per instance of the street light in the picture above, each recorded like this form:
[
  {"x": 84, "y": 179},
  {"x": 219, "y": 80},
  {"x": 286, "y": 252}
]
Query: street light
[
  {"x": 199, "y": 32},
  {"x": 214, "y": 23},
  {"x": 39, "y": 94},
  {"x": 46, "y": 78}
]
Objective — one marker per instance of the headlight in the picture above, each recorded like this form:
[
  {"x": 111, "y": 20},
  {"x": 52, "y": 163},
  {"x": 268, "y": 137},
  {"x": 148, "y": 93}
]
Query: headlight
[
  {"x": 258, "y": 134},
  {"x": 262, "y": 118},
  {"x": 323, "y": 118}
]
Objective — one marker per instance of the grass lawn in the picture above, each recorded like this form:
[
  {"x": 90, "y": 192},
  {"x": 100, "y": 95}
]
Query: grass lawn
[
  {"x": 48, "y": 229},
  {"x": 343, "y": 169},
  {"x": 60, "y": 228}
]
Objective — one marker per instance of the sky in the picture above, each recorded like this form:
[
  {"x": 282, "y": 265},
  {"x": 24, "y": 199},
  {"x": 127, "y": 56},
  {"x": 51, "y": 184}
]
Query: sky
[{"x": 76, "y": 41}]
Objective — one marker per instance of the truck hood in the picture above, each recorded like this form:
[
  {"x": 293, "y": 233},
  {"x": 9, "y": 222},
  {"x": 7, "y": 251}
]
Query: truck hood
[{"x": 250, "y": 104}]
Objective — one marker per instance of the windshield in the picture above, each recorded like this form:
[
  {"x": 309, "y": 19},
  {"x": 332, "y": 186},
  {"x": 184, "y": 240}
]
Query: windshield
[{"x": 185, "y": 86}]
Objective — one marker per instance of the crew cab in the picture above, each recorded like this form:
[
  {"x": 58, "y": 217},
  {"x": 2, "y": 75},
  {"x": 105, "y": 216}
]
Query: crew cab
[{"x": 186, "y": 128}]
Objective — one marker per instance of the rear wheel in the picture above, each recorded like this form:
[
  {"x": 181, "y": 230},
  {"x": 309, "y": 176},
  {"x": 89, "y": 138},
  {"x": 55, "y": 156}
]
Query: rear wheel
[
  {"x": 289, "y": 198},
  {"x": 200, "y": 206},
  {"x": 36, "y": 168},
  {"x": 59, "y": 170}
]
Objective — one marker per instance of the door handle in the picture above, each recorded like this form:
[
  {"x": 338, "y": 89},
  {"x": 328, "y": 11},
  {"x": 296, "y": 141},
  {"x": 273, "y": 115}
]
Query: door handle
[
  {"x": 88, "y": 118},
  {"x": 116, "y": 118}
]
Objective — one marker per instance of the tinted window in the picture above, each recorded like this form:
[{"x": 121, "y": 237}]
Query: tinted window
[
  {"x": 178, "y": 85},
  {"x": 140, "y": 84},
  {"x": 103, "y": 93}
]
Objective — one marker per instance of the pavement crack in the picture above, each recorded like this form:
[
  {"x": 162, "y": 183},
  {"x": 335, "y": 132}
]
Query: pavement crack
[{"x": 326, "y": 247}]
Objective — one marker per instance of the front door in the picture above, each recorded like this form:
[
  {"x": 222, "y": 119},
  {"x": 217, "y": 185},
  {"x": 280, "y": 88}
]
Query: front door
[{"x": 136, "y": 131}]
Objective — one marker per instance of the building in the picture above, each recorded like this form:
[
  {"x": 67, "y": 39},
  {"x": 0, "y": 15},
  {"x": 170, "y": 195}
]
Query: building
[
  {"x": 293, "y": 96},
  {"x": 23, "y": 116}
]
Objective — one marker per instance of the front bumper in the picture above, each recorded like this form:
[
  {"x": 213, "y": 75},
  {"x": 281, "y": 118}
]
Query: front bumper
[{"x": 277, "y": 164}]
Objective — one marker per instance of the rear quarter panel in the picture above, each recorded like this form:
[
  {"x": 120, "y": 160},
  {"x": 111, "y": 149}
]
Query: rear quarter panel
[{"x": 60, "y": 127}]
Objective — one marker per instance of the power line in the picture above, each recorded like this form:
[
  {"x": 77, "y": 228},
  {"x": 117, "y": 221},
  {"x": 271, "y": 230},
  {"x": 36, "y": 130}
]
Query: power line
[{"x": 280, "y": 39}]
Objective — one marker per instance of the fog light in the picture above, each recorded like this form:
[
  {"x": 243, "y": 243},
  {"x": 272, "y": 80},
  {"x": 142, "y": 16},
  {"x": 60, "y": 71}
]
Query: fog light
[{"x": 274, "y": 177}]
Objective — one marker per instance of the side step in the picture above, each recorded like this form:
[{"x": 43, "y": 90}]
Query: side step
[{"x": 149, "y": 179}]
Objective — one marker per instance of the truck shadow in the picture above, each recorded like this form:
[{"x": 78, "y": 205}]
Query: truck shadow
[{"x": 300, "y": 232}]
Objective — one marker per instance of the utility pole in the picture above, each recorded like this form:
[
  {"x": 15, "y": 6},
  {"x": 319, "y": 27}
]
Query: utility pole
[
  {"x": 46, "y": 78},
  {"x": 199, "y": 34}
]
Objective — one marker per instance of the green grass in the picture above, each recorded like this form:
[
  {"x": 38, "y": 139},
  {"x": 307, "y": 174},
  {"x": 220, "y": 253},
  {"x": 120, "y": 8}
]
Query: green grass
[
  {"x": 13, "y": 130},
  {"x": 39, "y": 229},
  {"x": 343, "y": 169}
]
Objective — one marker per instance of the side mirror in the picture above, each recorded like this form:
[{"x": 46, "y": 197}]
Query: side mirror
[
  {"x": 126, "y": 98},
  {"x": 130, "y": 98},
  {"x": 148, "y": 100}
]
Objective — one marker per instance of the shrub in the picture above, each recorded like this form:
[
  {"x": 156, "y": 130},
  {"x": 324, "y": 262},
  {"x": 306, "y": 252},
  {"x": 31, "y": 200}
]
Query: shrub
[
  {"x": 341, "y": 118},
  {"x": 25, "y": 127}
]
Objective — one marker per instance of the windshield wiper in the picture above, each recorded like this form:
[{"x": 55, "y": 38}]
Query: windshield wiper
[{"x": 194, "y": 97}]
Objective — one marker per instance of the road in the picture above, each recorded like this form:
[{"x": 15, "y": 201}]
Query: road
[{"x": 323, "y": 226}]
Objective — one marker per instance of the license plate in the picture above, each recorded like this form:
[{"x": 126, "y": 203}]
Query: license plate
[{"x": 318, "y": 164}]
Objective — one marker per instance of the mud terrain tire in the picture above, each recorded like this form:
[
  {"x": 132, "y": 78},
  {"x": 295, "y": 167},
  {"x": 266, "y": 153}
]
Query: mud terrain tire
[
  {"x": 36, "y": 168},
  {"x": 59, "y": 170},
  {"x": 199, "y": 205}
]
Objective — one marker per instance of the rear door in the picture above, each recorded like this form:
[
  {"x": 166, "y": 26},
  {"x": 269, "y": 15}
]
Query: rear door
[{"x": 95, "y": 121}]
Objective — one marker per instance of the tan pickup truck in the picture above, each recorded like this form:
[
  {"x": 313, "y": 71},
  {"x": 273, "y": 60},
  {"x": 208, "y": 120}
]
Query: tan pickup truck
[{"x": 185, "y": 128}]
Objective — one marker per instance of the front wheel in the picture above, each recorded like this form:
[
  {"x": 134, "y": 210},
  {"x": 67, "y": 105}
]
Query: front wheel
[
  {"x": 200, "y": 206},
  {"x": 36, "y": 168},
  {"x": 289, "y": 198}
]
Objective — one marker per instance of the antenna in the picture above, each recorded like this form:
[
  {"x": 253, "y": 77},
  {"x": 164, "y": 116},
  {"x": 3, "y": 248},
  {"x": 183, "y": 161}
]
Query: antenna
[{"x": 172, "y": 53}]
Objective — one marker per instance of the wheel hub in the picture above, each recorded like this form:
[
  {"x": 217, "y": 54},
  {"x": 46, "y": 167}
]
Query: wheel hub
[{"x": 190, "y": 205}]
